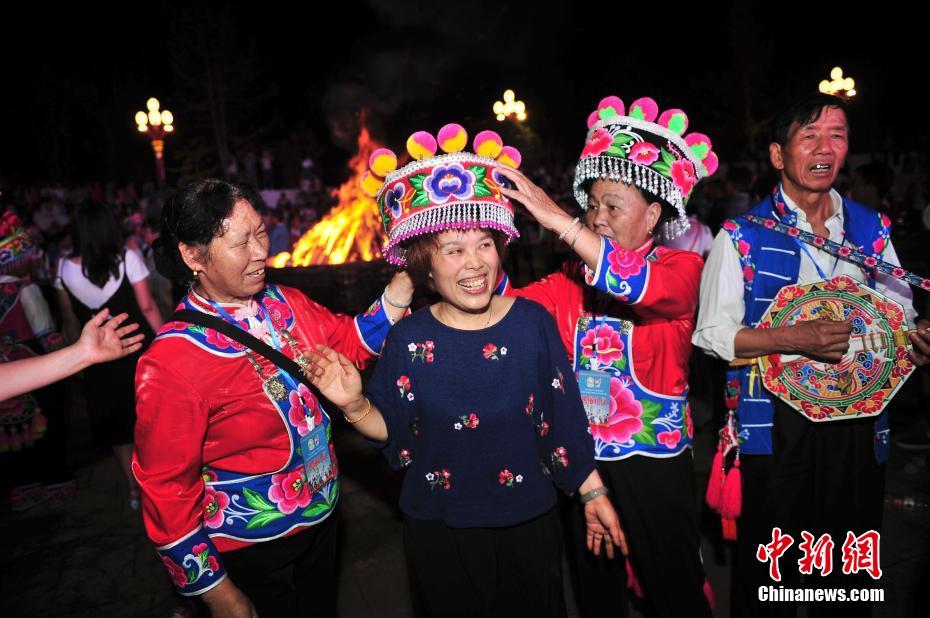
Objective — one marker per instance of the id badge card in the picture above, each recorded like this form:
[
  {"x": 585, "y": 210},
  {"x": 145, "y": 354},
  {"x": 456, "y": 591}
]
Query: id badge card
[
  {"x": 318, "y": 465},
  {"x": 595, "y": 394}
]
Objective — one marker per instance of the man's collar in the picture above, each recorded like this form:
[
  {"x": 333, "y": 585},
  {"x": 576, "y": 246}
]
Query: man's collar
[{"x": 835, "y": 198}]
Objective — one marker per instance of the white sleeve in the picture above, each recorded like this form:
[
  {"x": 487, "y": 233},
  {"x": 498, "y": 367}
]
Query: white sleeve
[
  {"x": 136, "y": 269},
  {"x": 721, "y": 308},
  {"x": 896, "y": 289},
  {"x": 37, "y": 313}
]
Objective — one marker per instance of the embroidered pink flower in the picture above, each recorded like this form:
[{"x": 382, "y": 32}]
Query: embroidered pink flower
[
  {"x": 439, "y": 479},
  {"x": 769, "y": 223},
  {"x": 625, "y": 263},
  {"x": 604, "y": 342},
  {"x": 289, "y": 491},
  {"x": 878, "y": 245},
  {"x": 505, "y": 477},
  {"x": 213, "y": 564},
  {"x": 902, "y": 364},
  {"x": 731, "y": 225},
  {"x": 844, "y": 251},
  {"x": 530, "y": 404},
  {"x": 794, "y": 232},
  {"x": 208, "y": 475},
  {"x": 490, "y": 352},
  {"x": 242, "y": 313},
  {"x": 373, "y": 310},
  {"x": 174, "y": 326},
  {"x": 869, "y": 406},
  {"x": 644, "y": 153},
  {"x": 669, "y": 438},
  {"x": 220, "y": 340},
  {"x": 870, "y": 262},
  {"x": 404, "y": 457},
  {"x": 748, "y": 273},
  {"x": 543, "y": 429},
  {"x": 259, "y": 331},
  {"x": 683, "y": 176},
  {"x": 892, "y": 313},
  {"x": 743, "y": 247},
  {"x": 403, "y": 385},
  {"x": 199, "y": 549},
  {"x": 885, "y": 220},
  {"x": 559, "y": 457},
  {"x": 471, "y": 421},
  {"x": 178, "y": 577},
  {"x": 624, "y": 419},
  {"x": 898, "y": 272},
  {"x": 297, "y": 414},
  {"x": 600, "y": 141},
  {"x": 925, "y": 284},
  {"x": 213, "y": 504},
  {"x": 278, "y": 311},
  {"x": 818, "y": 241}
]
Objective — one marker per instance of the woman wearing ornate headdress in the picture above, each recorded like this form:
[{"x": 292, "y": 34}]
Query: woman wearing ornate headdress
[
  {"x": 473, "y": 395},
  {"x": 625, "y": 313}
]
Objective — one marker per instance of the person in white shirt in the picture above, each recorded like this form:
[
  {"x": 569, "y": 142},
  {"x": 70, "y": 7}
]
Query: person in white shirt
[
  {"x": 104, "y": 273},
  {"x": 797, "y": 474}
]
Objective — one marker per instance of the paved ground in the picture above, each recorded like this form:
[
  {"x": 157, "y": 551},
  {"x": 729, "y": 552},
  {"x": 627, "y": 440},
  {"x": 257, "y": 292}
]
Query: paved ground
[{"x": 89, "y": 557}]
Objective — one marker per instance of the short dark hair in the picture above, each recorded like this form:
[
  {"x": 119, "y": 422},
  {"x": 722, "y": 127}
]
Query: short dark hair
[
  {"x": 193, "y": 215},
  {"x": 802, "y": 112},
  {"x": 419, "y": 252}
]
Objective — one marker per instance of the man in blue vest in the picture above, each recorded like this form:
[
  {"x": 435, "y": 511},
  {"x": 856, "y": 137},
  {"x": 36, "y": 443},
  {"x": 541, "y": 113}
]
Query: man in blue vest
[{"x": 824, "y": 478}]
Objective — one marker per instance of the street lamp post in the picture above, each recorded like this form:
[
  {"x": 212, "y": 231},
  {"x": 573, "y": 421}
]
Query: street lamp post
[
  {"x": 157, "y": 124},
  {"x": 838, "y": 86},
  {"x": 509, "y": 107}
]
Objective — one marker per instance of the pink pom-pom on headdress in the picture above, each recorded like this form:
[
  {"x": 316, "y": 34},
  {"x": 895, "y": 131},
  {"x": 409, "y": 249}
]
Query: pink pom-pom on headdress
[
  {"x": 371, "y": 184},
  {"x": 711, "y": 163},
  {"x": 452, "y": 138},
  {"x": 382, "y": 162},
  {"x": 593, "y": 118},
  {"x": 610, "y": 106},
  {"x": 699, "y": 144},
  {"x": 644, "y": 109},
  {"x": 421, "y": 145},
  {"x": 488, "y": 144},
  {"x": 674, "y": 120},
  {"x": 510, "y": 156}
]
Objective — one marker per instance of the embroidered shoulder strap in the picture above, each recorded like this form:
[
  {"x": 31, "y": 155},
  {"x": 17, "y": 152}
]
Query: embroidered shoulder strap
[{"x": 842, "y": 252}]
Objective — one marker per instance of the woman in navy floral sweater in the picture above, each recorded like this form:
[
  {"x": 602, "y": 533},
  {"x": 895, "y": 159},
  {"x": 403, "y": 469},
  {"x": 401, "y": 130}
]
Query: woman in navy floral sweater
[{"x": 475, "y": 398}]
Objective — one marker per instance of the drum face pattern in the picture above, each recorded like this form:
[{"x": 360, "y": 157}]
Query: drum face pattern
[{"x": 870, "y": 373}]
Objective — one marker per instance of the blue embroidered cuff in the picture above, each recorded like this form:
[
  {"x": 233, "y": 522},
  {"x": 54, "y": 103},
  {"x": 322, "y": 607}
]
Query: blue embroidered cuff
[
  {"x": 622, "y": 273},
  {"x": 373, "y": 326},
  {"x": 193, "y": 563}
]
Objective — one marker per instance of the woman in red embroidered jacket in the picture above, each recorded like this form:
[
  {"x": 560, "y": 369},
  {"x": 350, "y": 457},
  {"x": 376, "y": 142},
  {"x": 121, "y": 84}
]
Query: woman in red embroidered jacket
[
  {"x": 626, "y": 313},
  {"x": 233, "y": 453}
]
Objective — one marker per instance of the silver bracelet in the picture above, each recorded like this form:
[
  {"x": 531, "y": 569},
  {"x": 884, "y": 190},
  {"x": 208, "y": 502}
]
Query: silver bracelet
[
  {"x": 571, "y": 245},
  {"x": 388, "y": 300},
  {"x": 597, "y": 492},
  {"x": 570, "y": 227}
]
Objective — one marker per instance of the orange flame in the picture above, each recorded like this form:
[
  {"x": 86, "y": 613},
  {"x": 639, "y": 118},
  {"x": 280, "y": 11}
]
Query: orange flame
[{"x": 351, "y": 231}]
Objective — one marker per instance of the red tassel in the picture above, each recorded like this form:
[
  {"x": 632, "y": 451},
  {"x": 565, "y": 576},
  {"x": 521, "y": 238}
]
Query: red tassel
[
  {"x": 729, "y": 528},
  {"x": 632, "y": 581},
  {"x": 731, "y": 503},
  {"x": 715, "y": 482},
  {"x": 709, "y": 593}
]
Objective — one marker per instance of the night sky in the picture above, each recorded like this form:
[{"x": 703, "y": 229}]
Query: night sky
[{"x": 74, "y": 78}]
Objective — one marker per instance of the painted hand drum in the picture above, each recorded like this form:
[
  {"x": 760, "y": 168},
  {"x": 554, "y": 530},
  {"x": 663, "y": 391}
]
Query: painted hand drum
[{"x": 870, "y": 373}]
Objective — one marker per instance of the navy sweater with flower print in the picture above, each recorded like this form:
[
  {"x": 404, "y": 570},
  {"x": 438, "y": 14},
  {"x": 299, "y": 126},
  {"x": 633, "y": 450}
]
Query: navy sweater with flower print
[{"x": 487, "y": 423}]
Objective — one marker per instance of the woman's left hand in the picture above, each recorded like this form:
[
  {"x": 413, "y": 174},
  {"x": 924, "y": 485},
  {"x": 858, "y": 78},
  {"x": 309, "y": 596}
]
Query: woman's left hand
[
  {"x": 535, "y": 200},
  {"x": 335, "y": 376},
  {"x": 604, "y": 525}
]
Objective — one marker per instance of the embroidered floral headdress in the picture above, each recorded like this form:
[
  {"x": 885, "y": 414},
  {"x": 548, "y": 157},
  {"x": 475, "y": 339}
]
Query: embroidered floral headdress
[
  {"x": 432, "y": 193},
  {"x": 654, "y": 155},
  {"x": 15, "y": 244}
]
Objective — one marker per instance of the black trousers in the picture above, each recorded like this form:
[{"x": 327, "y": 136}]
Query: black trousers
[
  {"x": 657, "y": 506},
  {"x": 822, "y": 478},
  {"x": 290, "y": 576},
  {"x": 486, "y": 572}
]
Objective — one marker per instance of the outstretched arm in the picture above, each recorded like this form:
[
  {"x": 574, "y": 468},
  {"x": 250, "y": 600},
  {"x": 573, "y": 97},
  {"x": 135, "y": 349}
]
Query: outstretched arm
[{"x": 100, "y": 341}]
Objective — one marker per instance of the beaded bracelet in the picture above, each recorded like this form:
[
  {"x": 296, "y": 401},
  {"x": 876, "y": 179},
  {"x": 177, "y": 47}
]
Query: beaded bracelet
[
  {"x": 570, "y": 227},
  {"x": 388, "y": 300}
]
